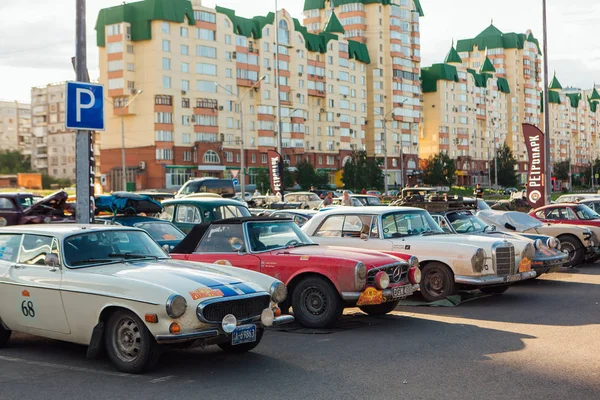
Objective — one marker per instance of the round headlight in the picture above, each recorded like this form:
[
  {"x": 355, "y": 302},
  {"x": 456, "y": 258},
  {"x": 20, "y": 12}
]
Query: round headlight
[
  {"x": 528, "y": 252},
  {"x": 360, "y": 276},
  {"x": 267, "y": 317},
  {"x": 176, "y": 306},
  {"x": 478, "y": 260},
  {"x": 537, "y": 244},
  {"x": 382, "y": 280},
  {"x": 413, "y": 262},
  {"x": 414, "y": 276},
  {"x": 552, "y": 243},
  {"x": 278, "y": 292},
  {"x": 229, "y": 323}
]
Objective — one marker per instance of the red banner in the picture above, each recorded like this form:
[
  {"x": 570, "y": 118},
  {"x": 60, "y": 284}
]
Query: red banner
[
  {"x": 275, "y": 171},
  {"x": 536, "y": 152}
]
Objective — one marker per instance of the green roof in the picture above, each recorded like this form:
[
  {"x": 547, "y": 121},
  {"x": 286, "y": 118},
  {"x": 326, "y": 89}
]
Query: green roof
[
  {"x": 487, "y": 66},
  {"x": 249, "y": 27},
  {"x": 555, "y": 84},
  {"x": 593, "y": 105},
  {"x": 334, "y": 25},
  {"x": 574, "y": 99},
  {"x": 494, "y": 38},
  {"x": 554, "y": 97},
  {"x": 431, "y": 75},
  {"x": 480, "y": 78},
  {"x": 141, "y": 14},
  {"x": 452, "y": 57},
  {"x": 359, "y": 51},
  {"x": 320, "y": 4},
  {"x": 595, "y": 95},
  {"x": 503, "y": 85}
]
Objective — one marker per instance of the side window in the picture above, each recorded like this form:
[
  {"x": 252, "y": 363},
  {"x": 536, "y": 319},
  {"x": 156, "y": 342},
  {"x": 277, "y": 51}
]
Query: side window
[
  {"x": 332, "y": 227},
  {"x": 35, "y": 248},
  {"x": 167, "y": 213},
  {"x": 6, "y": 204},
  {"x": 570, "y": 214},
  {"x": 542, "y": 215},
  {"x": 353, "y": 226},
  {"x": 188, "y": 214},
  {"x": 551, "y": 214},
  {"x": 221, "y": 238},
  {"x": 9, "y": 247},
  {"x": 299, "y": 220}
]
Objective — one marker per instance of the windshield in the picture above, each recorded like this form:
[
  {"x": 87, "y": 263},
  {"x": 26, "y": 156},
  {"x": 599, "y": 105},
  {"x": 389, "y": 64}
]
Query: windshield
[
  {"x": 586, "y": 213},
  {"x": 409, "y": 223},
  {"x": 109, "y": 246},
  {"x": 229, "y": 211},
  {"x": 372, "y": 201},
  {"x": 465, "y": 222},
  {"x": 26, "y": 201},
  {"x": 161, "y": 230},
  {"x": 273, "y": 235},
  {"x": 482, "y": 205}
]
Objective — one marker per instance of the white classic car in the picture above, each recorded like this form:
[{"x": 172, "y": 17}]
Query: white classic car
[
  {"x": 448, "y": 261},
  {"x": 114, "y": 287}
]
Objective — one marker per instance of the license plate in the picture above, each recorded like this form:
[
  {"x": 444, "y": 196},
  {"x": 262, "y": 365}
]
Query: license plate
[
  {"x": 401, "y": 291},
  {"x": 513, "y": 278},
  {"x": 243, "y": 334}
]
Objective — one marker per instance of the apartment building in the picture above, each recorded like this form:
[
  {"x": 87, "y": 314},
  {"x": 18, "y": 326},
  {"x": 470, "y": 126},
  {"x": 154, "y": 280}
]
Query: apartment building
[
  {"x": 15, "y": 127},
  {"x": 182, "y": 79},
  {"x": 574, "y": 124},
  {"x": 464, "y": 109},
  {"x": 390, "y": 30}
]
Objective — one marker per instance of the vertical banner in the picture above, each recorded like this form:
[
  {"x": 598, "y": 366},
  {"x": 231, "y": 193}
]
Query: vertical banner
[
  {"x": 92, "y": 178},
  {"x": 275, "y": 171},
  {"x": 536, "y": 187}
]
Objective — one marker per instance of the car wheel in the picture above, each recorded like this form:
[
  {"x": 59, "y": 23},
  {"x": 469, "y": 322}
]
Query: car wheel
[
  {"x": 494, "y": 289},
  {"x": 380, "y": 309},
  {"x": 244, "y": 347},
  {"x": 437, "y": 282},
  {"x": 4, "y": 336},
  {"x": 574, "y": 249},
  {"x": 129, "y": 344},
  {"x": 316, "y": 303}
]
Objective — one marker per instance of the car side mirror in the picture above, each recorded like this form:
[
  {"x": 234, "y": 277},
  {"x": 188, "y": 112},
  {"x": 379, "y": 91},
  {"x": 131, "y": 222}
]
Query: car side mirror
[
  {"x": 52, "y": 260},
  {"x": 166, "y": 248},
  {"x": 364, "y": 236},
  {"x": 509, "y": 226}
]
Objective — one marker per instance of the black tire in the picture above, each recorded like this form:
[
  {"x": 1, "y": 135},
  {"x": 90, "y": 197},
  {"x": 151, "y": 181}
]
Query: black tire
[
  {"x": 140, "y": 352},
  {"x": 494, "y": 289},
  {"x": 437, "y": 282},
  {"x": 380, "y": 309},
  {"x": 244, "y": 347},
  {"x": 316, "y": 303},
  {"x": 573, "y": 247},
  {"x": 4, "y": 336}
]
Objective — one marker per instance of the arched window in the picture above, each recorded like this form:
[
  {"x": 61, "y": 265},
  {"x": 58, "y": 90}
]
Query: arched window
[
  {"x": 283, "y": 32},
  {"x": 346, "y": 159},
  {"x": 210, "y": 157},
  {"x": 411, "y": 164}
]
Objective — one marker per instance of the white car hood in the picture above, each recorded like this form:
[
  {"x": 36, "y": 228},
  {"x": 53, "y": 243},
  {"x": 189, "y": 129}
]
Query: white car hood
[{"x": 521, "y": 221}]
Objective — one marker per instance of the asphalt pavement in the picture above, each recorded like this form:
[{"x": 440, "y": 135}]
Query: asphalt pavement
[{"x": 539, "y": 340}]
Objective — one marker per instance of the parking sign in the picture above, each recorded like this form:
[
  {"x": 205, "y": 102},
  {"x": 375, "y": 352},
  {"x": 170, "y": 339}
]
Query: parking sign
[{"x": 85, "y": 106}]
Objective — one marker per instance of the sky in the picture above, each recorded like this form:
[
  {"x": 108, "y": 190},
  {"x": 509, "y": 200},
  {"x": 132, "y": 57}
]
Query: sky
[{"x": 37, "y": 37}]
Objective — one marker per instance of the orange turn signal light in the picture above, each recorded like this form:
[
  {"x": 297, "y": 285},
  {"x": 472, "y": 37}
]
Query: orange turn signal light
[
  {"x": 174, "y": 328},
  {"x": 151, "y": 318},
  {"x": 277, "y": 311}
]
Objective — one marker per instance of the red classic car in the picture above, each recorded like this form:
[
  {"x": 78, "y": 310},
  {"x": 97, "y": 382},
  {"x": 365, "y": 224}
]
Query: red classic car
[
  {"x": 575, "y": 214},
  {"x": 321, "y": 280}
]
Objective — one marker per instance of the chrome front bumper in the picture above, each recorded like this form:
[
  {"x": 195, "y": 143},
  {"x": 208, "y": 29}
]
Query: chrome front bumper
[
  {"x": 387, "y": 294},
  {"x": 212, "y": 333},
  {"x": 494, "y": 279}
]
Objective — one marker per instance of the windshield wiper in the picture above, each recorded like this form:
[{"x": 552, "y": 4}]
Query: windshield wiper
[
  {"x": 430, "y": 233},
  {"x": 94, "y": 261},
  {"x": 130, "y": 256},
  {"x": 303, "y": 244}
]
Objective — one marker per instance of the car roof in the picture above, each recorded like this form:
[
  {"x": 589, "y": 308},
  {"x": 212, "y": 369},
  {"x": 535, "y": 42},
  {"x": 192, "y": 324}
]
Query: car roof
[
  {"x": 60, "y": 230},
  {"x": 16, "y": 194},
  {"x": 132, "y": 218},
  {"x": 241, "y": 220},
  {"x": 299, "y": 193},
  {"x": 372, "y": 196},
  {"x": 211, "y": 200},
  {"x": 368, "y": 210},
  {"x": 296, "y": 211}
]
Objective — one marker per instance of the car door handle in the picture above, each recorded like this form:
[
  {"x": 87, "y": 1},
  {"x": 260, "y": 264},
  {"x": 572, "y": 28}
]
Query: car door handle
[{"x": 17, "y": 266}]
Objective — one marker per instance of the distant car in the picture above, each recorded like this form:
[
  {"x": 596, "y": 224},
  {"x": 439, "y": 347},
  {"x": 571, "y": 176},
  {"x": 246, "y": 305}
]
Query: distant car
[
  {"x": 22, "y": 208},
  {"x": 368, "y": 199},
  {"x": 576, "y": 198},
  {"x": 594, "y": 204},
  {"x": 158, "y": 196},
  {"x": 300, "y": 217},
  {"x": 337, "y": 202},
  {"x": 566, "y": 213},
  {"x": 510, "y": 190},
  {"x": 187, "y": 212},
  {"x": 247, "y": 196},
  {"x": 114, "y": 289},
  {"x": 309, "y": 200},
  {"x": 374, "y": 192},
  {"x": 222, "y": 187},
  {"x": 163, "y": 232}
]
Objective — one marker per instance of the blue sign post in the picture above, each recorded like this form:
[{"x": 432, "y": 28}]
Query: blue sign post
[
  {"x": 236, "y": 182},
  {"x": 85, "y": 106}
]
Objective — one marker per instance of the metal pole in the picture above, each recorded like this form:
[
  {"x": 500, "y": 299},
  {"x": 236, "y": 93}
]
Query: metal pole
[
  {"x": 84, "y": 169},
  {"x": 570, "y": 172},
  {"x": 489, "y": 169},
  {"x": 242, "y": 157},
  {"x": 402, "y": 160},
  {"x": 546, "y": 110},
  {"x": 385, "y": 161},
  {"x": 495, "y": 162},
  {"x": 279, "y": 123},
  {"x": 123, "y": 166}
]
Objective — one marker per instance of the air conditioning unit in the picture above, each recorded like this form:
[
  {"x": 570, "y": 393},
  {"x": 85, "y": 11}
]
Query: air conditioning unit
[
  {"x": 299, "y": 73},
  {"x": 345, "y": 96},
  {"x": 133, "y": 91},
  {"x": 127, "y": 36},
  {"x": 338, "y": 115},
  {"x": 322, "y": 110},
  {"x": 268, "y": 68},
  {"x": 183, "y": 92},
  {"x": 220, "y": 108},
  {"x": 103, "y": 180},
  {"x": 298, "y": 95},
  {"x": 142, "y": 165}
]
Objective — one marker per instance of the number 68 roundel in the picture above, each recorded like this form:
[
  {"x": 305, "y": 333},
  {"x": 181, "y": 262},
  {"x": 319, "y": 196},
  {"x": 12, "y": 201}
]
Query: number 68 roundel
[{"x": 27, "y": 308}]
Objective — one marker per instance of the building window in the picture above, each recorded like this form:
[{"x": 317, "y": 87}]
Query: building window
[
  {"x": 183, "y": 31},
  {"x": 187, "y": 156},
  {"x": 165, "y": 27},
  {"x": 229, "y": 156},
  {"x": 206, "y": 69},
  {"x": 116, "y": 65},
  {"x": 205, "y": 51},
  {"x": 186, "y": 139},
  {"x": 166, "y": 81},
  {"x": 113, "y": 30},
  {"x": 130, "y": 67},
  {"x": 253, "y": 157},
  {"x": 166, "y": 63},
  {"x": 283, "y": 32},
  {"x": 115, "y": 83},
  {"x": 205, "y": 17},
  {"x": 115, "y": 47},
  {"x": 211, "y": 157},
  {"x": 185, "y": 102},
  {"x": 163, "y": 118},
  {"x": 263, "y": 158},
  {"x": 163, "y": 99},
  {"x": 206, "y": 86},
  {"x": 206, "y": 103},
  {"x": 164, "y": 154},
  {"x": 166, "y": 46},
  {"x": 185, "y": 50},
  {"x": 185, "y": 67},
  {"x": 185, "y": 85}
]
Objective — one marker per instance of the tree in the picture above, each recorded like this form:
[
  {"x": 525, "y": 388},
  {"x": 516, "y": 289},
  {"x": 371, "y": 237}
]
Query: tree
[
  {"x": 440, "y": 170},
  {"x": 561, "y": 170},
  {"x": 306, "y": 175},
  {"x": 361, "y": 172},
  {"x": 289, "y": 180},
  {"x": 263, "y": 181},
  {"x": 507, "y": 176},
  {"x": 13, "y": 162}
]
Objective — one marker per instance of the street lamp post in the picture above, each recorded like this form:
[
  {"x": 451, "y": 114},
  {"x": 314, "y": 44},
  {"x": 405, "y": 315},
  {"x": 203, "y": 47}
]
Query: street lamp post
[{"x": 242, "y": 150}]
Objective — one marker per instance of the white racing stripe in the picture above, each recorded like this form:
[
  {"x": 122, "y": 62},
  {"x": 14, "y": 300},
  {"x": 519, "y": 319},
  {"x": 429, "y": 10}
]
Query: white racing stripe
[{"x": 67, "y": 367}]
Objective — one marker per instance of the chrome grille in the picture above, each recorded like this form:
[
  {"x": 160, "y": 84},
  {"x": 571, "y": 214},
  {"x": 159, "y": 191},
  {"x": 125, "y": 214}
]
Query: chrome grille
[
  {"x": 242, "y": 307},
  {"x": 397, "y": 272},
  {"x": 505, "y": 259}
]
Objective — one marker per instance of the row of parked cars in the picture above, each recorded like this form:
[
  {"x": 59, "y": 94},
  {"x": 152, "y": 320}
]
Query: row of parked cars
[{"x": 201, "y": 270}]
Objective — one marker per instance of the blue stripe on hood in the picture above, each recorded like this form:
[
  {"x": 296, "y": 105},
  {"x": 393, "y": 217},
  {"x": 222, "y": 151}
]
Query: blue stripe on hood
[{"x": 215, "y": 284}]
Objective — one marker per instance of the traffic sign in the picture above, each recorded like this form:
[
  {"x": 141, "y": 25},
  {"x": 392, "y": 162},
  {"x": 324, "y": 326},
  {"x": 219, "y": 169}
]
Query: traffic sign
[
  {"x": 85, "y": 106},
  {"x": 596, "y": 176},
  {"x": 236, "y": 182},
  {"x": 234, "y": 173}
]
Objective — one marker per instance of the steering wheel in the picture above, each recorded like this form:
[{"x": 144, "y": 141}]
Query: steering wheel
[
  {"x": 291, "y": 243},
  {"x": 469, "y": 228}
]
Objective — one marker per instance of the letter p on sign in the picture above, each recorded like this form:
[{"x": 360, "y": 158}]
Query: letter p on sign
[{"x": 85, "y": 106}]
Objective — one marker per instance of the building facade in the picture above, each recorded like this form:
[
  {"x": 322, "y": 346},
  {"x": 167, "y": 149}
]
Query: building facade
[
  {"x": 15, "y": 127},
  {"x": 391, "y": 31},
  {"x": 185, "y": 82}
]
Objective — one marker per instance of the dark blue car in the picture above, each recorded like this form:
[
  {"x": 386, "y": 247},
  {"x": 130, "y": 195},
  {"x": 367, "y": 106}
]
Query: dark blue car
[{"x": 164, "y": 232}]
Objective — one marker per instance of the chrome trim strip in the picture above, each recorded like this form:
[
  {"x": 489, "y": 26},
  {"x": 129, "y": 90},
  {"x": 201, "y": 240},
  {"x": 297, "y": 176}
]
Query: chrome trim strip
[
  {"x": 498, "y": 245},
  {"x": 201, "y": 306},
  {"x": 491, "y": 280},
  {"x": 185, "y": 337}
]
